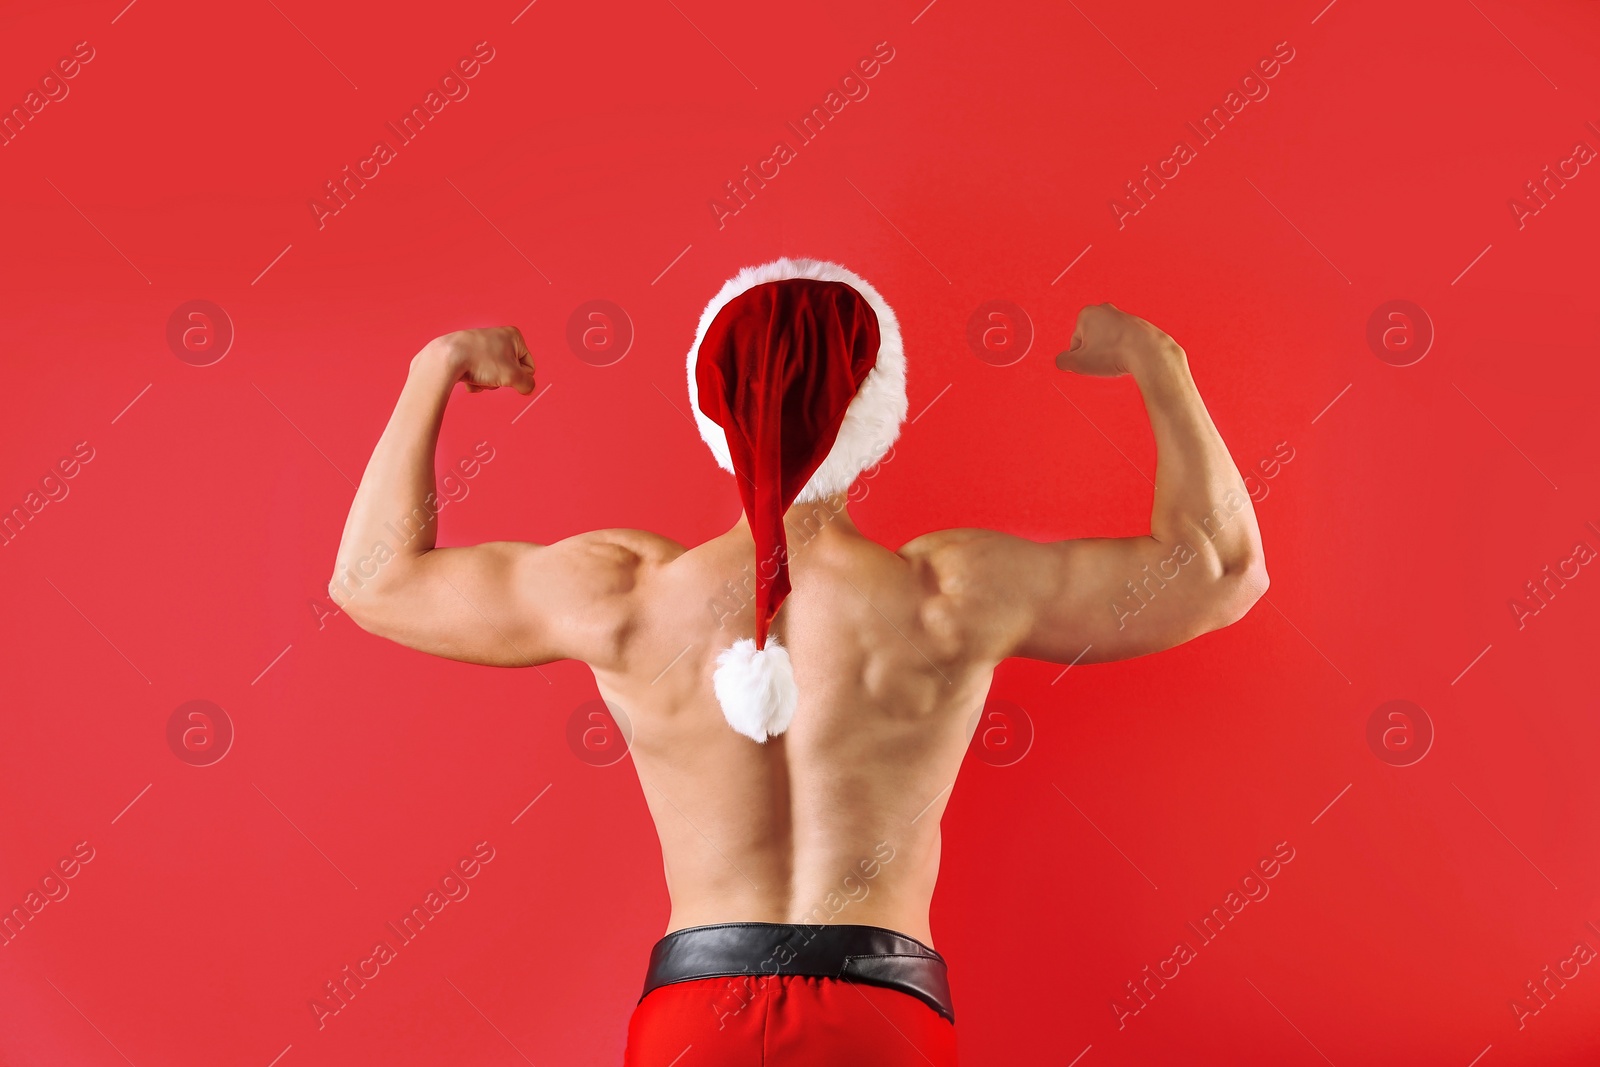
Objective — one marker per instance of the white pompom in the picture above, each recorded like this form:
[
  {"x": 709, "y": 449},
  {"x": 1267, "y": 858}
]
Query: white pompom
[{"x": 756, "y": 688}]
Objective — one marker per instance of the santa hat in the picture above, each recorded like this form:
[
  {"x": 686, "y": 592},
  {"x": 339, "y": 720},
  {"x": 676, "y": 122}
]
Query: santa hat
[{"x": 797, "y": 380}]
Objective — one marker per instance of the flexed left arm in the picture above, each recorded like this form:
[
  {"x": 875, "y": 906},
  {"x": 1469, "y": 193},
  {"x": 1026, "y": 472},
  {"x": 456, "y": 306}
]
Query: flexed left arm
[{"x": 502, "y": 603}]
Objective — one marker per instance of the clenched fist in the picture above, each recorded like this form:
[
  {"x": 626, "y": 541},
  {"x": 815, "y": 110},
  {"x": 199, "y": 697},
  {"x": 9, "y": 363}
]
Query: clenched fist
[
  {"x": 487, "y": 359},
  {"x": 1107, "y": 342}
]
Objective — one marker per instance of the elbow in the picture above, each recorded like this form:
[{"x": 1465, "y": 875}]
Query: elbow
[
  {"x": 348, "y": 601},
  {"x": 364, "y": 600},
  {"x": 379, "y": 591},
  {"x": 338, "y": 594},
  {"x": 343, "y": 587},
  {"x": 1242, "y": 583}
]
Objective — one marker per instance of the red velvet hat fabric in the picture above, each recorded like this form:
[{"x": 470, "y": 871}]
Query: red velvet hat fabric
[{"x": 778, "y": 366}]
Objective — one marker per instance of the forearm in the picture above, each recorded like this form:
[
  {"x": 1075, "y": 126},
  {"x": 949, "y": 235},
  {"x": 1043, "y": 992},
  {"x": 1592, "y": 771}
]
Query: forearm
[
  {"x": 1200, "y": 499},
  {"x": 393, "y": 517}
]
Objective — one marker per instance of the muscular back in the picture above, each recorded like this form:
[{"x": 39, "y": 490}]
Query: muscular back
[{"x": 837, "y": 819}]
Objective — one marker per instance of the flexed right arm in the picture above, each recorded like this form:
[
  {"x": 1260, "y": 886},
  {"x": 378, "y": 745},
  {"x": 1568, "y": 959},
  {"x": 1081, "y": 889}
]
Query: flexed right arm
[
  {"x": 501, "y": 603},
  {"x": 1095, "y": 599}
]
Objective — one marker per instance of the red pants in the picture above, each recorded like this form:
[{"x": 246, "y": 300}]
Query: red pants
[{"x": 786, "y": 1021}]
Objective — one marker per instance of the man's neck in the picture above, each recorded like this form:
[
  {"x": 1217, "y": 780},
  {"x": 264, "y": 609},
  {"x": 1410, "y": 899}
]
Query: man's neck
[{"x": 816, "y": 521}]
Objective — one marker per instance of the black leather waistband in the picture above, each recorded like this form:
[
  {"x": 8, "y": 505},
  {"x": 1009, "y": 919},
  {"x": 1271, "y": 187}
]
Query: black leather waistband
[{"x": 866, "y": 954}]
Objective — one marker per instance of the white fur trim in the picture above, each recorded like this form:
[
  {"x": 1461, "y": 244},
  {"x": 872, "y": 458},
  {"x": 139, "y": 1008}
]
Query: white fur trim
[
  {"x": 756, "y": 688},
  {"x": 871, "y": 422}
]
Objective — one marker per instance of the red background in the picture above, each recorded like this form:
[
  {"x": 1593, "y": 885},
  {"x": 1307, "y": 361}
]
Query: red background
[{"x": 190, "y": 554}]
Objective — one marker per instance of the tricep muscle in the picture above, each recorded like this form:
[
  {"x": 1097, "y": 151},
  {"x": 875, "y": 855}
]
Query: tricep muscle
[
  {"x": 1087, "y": 600},
  {"x": 508, "y": 603}
]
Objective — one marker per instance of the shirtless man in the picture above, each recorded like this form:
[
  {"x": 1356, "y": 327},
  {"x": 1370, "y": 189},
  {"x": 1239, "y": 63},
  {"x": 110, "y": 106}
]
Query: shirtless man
[{"x": 892, "y": 655}]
